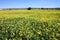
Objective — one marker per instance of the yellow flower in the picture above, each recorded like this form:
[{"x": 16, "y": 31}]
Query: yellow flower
[{"x": 39, "y": 32}]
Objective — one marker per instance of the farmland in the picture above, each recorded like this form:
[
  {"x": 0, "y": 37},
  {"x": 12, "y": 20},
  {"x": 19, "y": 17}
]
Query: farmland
[{"x": 29, "y": 24}]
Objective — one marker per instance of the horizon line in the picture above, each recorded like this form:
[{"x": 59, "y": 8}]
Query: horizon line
[{"x": 32, "y": 7}]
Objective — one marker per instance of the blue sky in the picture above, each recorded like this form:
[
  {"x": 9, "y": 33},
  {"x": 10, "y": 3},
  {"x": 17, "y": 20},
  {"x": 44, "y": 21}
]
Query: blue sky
[{"x": 29, "y": 3}]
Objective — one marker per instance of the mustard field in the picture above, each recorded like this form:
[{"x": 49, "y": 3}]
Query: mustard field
[
  {"x": 29, "y": 24},
  {"x": 36, "y": 14}
]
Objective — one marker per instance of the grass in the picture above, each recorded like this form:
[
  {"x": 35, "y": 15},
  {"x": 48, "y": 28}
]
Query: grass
[{"x": 29, "y": 25}]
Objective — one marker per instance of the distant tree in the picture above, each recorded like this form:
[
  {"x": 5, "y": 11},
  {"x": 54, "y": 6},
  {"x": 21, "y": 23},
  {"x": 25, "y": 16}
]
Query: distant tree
[
  {"x": 42, "y": 8},
  {"x": 29, "y": 8}
]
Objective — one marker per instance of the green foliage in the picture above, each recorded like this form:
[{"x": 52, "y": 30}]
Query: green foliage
[{"x": 29, "y": 29}]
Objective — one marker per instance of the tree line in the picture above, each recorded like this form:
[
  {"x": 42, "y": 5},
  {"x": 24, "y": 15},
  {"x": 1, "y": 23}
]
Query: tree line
[{"x": 29, "y": 8}]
